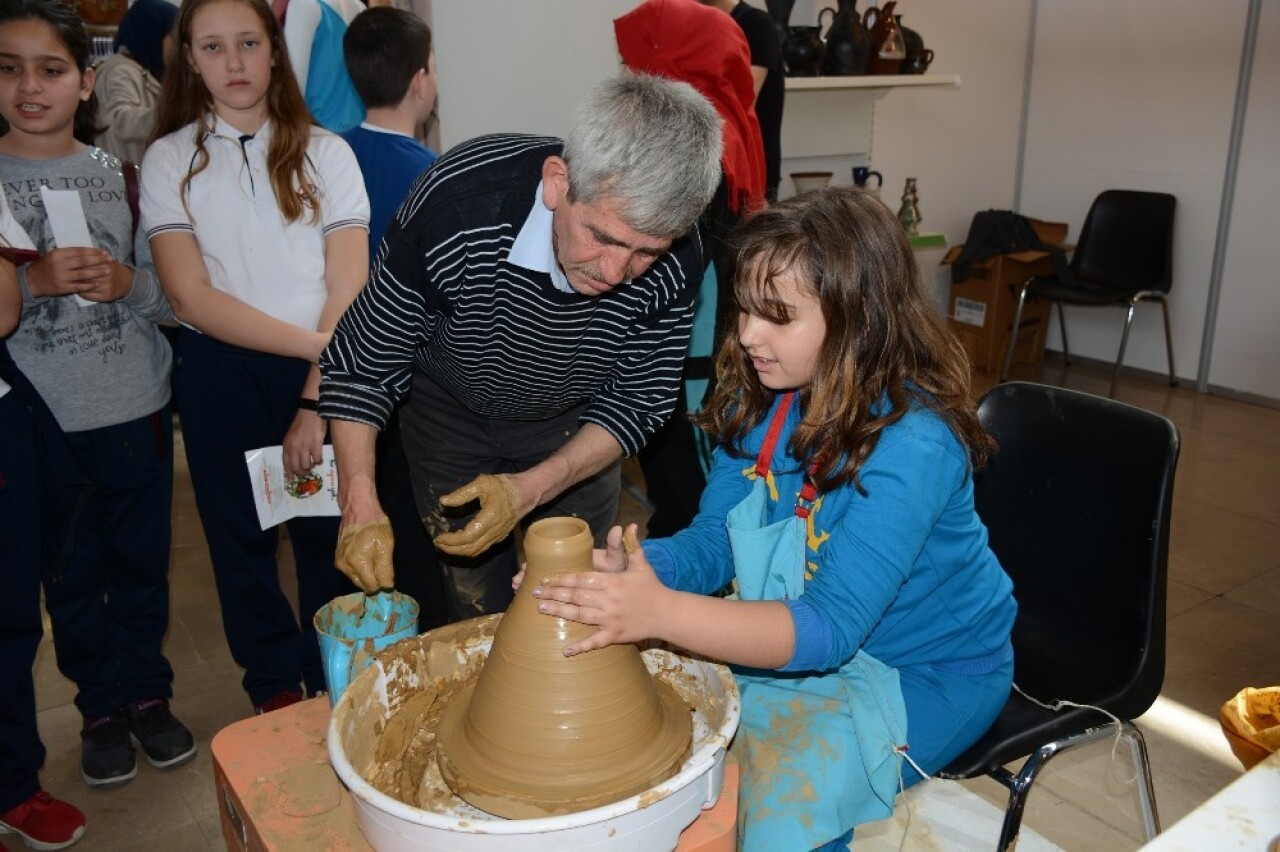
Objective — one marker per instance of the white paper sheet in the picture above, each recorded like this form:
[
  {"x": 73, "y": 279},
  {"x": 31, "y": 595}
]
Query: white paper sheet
[
  {"x": 66, "y": 218},
  {"x": 278, "y": 499}
]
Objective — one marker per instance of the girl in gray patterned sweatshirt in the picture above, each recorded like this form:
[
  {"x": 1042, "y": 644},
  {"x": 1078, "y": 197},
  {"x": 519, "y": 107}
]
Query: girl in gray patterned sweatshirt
[{"x": 88, "y": 341}]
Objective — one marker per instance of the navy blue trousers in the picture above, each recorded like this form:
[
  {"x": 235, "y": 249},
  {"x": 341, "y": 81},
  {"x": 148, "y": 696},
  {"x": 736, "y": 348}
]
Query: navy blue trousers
[
  {"x": 234, "y": 400},
  {"x": 106, "y": 572},
  {"x": 21, "y": 752}
]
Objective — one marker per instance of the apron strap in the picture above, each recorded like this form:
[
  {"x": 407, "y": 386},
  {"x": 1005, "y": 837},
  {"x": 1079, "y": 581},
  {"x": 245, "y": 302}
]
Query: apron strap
[
  {"x": 808, "y": 492},
  {"x": 765, "y": 459}
]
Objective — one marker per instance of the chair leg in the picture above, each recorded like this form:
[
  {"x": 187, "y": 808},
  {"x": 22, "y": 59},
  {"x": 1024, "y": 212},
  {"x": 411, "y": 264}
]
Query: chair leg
[
  {"x": 1124, "y": 341},
  {"x": 1168, "y": 341},
  {"x": 1013, "y": 331},
  {"x": 1062, "y": 326},
  {"x": 1020, "y": 785},
  {"x": 1146, "y": 789}
]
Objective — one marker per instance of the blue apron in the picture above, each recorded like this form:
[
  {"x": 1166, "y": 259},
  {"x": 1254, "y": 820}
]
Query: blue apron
[{"x": 817, "y": 751}]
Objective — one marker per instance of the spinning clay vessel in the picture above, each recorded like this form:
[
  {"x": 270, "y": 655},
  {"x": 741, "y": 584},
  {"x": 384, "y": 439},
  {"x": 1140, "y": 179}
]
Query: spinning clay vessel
[{"x": 541, "y": 734}]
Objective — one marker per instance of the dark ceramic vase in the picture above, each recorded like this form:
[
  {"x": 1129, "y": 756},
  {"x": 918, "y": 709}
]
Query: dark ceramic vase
[
  {"x": 803, "y": 53},
  {"x": 848, "y": 45},
  {"x": 911, "y": 40},
  {"x": 915, "y": 63}
]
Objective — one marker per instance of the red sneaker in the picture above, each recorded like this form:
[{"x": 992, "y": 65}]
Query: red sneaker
[
  {"x": 277, "y": 702},
  {"x": 44, "y": 822}
]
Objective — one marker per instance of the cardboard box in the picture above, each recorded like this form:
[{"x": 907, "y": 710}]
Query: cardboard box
[{"x": 981, "y": 307}]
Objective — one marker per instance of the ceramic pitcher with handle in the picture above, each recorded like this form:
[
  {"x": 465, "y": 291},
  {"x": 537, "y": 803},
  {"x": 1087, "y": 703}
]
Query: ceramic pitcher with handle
[{"x": 887, "y": 47}]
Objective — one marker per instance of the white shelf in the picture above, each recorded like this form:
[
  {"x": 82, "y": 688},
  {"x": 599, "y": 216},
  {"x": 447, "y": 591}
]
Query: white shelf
[
  {"x": 881, "y": 81},
  {"x": 832, "y": 116}
]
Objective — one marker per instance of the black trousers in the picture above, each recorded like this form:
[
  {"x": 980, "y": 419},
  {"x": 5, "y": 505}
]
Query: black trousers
[
  {"x": 106, "y": 575},
  {"x": 672, "y": 471},
  {"x": 21, "y": 752},
  {"x": 235, "y": 400},
  {"x": 418, "y": 571},
  {"x": 448, "y": 445}
]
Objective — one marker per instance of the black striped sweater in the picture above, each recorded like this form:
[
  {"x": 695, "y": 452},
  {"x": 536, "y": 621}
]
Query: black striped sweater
[{"x": 503, "y": 340}]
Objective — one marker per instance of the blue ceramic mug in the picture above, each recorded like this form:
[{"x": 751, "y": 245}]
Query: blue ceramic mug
[
  {"x": 354, "y": 627},
  {"x": 862, "y": 173}
]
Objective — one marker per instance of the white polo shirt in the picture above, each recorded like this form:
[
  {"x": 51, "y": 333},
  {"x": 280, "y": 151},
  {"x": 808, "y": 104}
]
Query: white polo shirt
[{"x": 249, "y": 249}]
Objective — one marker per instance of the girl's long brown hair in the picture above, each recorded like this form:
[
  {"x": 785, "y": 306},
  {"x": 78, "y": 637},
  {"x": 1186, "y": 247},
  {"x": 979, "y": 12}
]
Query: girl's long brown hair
[
  {"x": 884, "y": 340},
  {"x": 185, "y": 99}
]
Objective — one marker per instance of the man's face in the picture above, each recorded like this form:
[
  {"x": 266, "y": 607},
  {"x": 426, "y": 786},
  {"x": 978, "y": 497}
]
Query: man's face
[{"x": 593, "y": 245}]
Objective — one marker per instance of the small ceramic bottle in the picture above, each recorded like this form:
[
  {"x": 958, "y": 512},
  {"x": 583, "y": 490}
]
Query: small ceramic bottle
[{"x": 909, "y": 212}]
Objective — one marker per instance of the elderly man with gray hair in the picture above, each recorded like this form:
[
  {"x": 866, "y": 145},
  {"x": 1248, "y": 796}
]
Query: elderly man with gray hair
[{"x": 534, "y": 298}]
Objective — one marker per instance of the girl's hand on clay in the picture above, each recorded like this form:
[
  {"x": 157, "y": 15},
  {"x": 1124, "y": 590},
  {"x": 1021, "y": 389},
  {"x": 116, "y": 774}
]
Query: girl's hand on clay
[
  {"x": 64, "y": 271},
  {"x": 626, "y": 606},
  {"x": 614, "y": 557},
  {"x": 519, "y": 577}
]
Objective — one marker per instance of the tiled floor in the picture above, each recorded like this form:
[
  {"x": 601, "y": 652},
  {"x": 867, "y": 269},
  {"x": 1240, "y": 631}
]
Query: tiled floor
[{"x": 1224, "y": 602}]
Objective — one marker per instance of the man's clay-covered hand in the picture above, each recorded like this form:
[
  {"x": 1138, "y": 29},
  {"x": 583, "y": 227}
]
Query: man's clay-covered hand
[
  {"x": 498, "y": 515},
  {"x": 364, "y": 555}
]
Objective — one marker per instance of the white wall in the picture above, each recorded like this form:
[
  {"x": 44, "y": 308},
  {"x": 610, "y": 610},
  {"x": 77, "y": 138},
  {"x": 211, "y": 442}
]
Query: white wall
[
  {"x": 961, "y": 144},
  {"x": 519, "y": 67},
  {"x": 1246, "y": 347},
  {"x": 1135, "y": 95}
]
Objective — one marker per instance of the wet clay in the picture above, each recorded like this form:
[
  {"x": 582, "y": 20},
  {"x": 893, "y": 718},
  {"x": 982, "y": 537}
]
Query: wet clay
[
  {"x": 388, "y": 717},
  {"x": 540, "y": 734},
  {"x": 496, "y": 519}
]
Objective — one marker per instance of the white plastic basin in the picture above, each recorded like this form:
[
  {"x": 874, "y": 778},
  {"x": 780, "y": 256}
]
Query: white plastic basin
[{"x": 646, "y": 822}]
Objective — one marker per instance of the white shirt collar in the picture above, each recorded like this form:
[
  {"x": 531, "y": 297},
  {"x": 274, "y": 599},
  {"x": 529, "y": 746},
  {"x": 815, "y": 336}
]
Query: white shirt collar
[
  {"x": 225, "y": 130},
  {"x": 534, "y": 249},
  {"x": 387, "y": 130}
]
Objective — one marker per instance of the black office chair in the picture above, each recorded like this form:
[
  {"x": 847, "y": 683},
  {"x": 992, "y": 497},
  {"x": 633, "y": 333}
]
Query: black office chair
[
  {"x": 1124, "y": 256},
  {"x": 1077, "y": 504}
]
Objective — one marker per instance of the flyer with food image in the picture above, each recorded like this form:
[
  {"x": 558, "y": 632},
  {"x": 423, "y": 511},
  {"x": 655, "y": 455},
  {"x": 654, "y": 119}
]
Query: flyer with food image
[{"x": 279, "y": 498}]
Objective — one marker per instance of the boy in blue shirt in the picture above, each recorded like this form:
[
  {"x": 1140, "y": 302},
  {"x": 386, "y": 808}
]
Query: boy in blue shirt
[{"x": 388, "y": 54}]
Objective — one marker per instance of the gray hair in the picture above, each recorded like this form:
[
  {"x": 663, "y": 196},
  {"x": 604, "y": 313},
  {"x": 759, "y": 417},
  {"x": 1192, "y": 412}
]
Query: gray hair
[{"x": 650, "y": 143}]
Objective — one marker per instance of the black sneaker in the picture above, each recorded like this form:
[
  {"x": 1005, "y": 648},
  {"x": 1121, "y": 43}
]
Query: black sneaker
[
  {"x": 165, "y": 741},
  {"x": 106, "y": 754}
]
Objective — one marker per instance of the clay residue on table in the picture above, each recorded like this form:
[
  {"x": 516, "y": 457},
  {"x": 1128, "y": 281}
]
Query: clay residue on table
[{"x": 310, "y": 795}]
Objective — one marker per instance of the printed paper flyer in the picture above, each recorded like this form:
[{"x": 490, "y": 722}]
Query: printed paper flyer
[{"x": 278, "y": 499}]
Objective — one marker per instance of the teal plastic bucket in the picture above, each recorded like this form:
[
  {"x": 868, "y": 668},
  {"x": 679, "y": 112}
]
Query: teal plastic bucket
[{"x": 354, "y": 627}]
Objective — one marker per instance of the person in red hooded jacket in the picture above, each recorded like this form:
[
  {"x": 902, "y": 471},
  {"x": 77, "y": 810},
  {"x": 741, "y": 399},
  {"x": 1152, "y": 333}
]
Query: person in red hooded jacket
[{"x": 704, "y": 47}]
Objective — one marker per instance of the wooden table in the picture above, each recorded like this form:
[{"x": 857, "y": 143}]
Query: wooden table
[{"x": 277, "y": 791}]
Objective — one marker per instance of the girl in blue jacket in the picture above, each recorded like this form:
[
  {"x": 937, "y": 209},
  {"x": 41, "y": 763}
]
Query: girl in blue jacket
[{"x": 870, "y": 621}]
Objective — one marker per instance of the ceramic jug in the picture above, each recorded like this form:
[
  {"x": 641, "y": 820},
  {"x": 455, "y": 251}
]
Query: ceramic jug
[
  {"x": 861, "y": 174},
  {"x": 887, "y": 47},
  {"x": 917, "y": 63},
  {"x": 912, "y": 41},
  {"x": 803, "y": 53},
  {"x": 918, "y": 58},
  {"x": 848, "y": 44}
]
